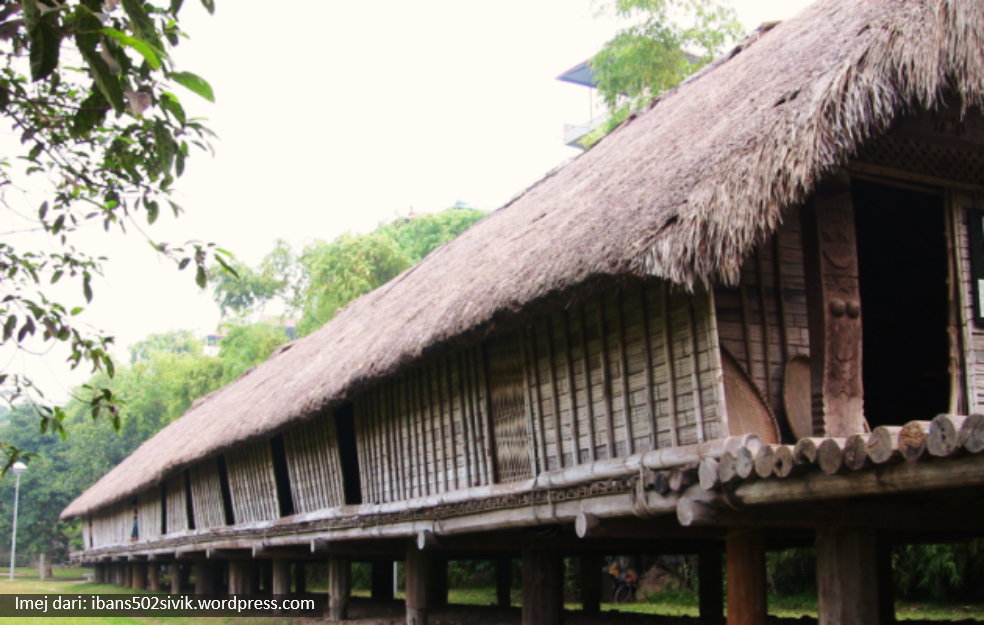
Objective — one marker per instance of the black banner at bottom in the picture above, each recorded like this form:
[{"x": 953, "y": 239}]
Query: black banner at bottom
[{"x": 160, "y": 605}]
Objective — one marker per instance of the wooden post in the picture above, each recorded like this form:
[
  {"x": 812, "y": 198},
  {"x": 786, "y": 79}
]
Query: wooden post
[
  {"x": 241, "y": 577},
  {"x": 204, "y": 577},
  {"x": 590, "y": 569},
  {"x": 128, "y": 574},
  {"x": 382, "y": 580},
  {"x": 834, "y": 307},
  {"x": 710, "y": 581},
  {"x": 543, "y": 587},
  {"x": 339, "y": 587},
  {"x": 138, "y": 577},
  {"x": 746, "y": 577},
  {"x": 418, "y": 575},
  {"x": 98, "y": 572},
  {"x": 300, "y": 577},
  {"x": 503, "y": 583},
  {"x": 439, "y": 583},
  {"x": 847, "y": 576},
  {"x": 154, "y": 576},
  {"x": 266, "y": 586},
  {"x": 886, "y": 584},
  {"x": 281, "y": 577},
  {"x": 177, "y": 576}
]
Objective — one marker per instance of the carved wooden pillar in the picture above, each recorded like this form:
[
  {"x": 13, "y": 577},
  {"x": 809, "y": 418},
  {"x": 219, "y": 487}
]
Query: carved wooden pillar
[{"x": 834, "y": 303}]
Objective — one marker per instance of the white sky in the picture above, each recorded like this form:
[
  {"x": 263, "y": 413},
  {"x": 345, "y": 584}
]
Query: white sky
[{"x": 336, "y": 116}]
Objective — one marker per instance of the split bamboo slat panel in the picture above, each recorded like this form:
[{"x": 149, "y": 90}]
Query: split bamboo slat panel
[
  {"x": 206, "y": 495},
  {"x": 112, "y": 525},
  {"x": 177, "y": 504},
  {"x": 763, "y": 322},
  {"x": 149, "y": 508},
  {"x": 314, "y": 464},
  {"x": 425, "y": 432},
  {"x": 252, "y": 483},
  {"x": 971, "y": 335},
  {"x": 600, "y": 383}
]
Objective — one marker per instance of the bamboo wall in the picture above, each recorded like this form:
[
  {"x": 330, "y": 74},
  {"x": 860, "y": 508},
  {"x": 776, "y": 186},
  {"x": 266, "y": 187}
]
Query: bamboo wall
[
  {"x": 763, "y": 322},
  {"x": 177, "y": 504},
  {"x": 206, "y": 495},
  {"x": 149, "y": 508},
  {"x": 314, "y": 465},
  {"x": 252, "y": 483},
  {"x": 112, "y": 525},
  {"x": 971, "y": 336},
  {"x": 424, "y": 432}
]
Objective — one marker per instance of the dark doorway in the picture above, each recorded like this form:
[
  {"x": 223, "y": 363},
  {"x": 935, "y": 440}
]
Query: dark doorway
[
  {"x": 902, "y": 258},
  {"x": 348, "y": 453}
]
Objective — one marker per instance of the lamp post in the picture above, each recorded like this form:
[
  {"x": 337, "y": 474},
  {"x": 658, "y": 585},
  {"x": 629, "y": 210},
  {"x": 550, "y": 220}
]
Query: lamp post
[{"x": 18, "y": 469}]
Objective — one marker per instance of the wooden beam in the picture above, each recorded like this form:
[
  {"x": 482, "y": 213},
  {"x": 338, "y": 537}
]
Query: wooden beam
[
  {"x": 543, "y": 587},
  {"x": 847, "y": 576},
  {"x": 746, "y": 577},
  {"x": 834, "y": 308}
]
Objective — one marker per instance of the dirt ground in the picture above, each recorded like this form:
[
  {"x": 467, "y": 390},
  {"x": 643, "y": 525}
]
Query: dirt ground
[{"x": 364, "y": 611}]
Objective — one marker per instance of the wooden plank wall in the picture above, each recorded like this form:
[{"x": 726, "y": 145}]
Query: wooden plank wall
[
  {"x": 149, "y": 506},
  {"x": 971, "y": 336},
  {"x": 763, "y": 322},
  {"x": 424, "y": 432},
  {"x": 177, "y": 504},
  {"x": 314, "y": 465},
  {"x": 625, "y": 397},
  {"x": 252, "y": 483},
  {"x": 112, "y": 525},
  {"x": 206, "y": 495}
]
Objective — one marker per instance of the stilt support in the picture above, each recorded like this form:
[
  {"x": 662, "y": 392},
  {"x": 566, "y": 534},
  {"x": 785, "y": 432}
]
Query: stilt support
[
  {"x": 847, "y": 576},
  {"x": 382, "y": 580},
  {"x": 543, "y": 587},
  {"x": 339, "y": 587},
  {"x": 710, "y": 580},
  {"x": 418, "y": 572},
  {"x": 503, "y": 583},
  {"x": 154, "y": 576},
  {"x": 589, "y": 577},
  {"x": 746, "y": 577},
  {"x": 138, "y": 576},
  {"x": 178, "y": 575},
  {"x": 205, "y": 577},
  {"x": 241, "y": 577},
  {"x": 281, "y": 577}
]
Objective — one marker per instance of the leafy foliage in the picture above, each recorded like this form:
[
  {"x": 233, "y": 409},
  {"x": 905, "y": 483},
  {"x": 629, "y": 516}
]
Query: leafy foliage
[
  {"x": 671, "y": 40},
  {"x": 87, "y": 87},
  {"x": 247, "y": 345}
]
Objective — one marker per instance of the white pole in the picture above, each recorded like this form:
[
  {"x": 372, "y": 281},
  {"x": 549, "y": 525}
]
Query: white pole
[{"x": 13, "y": 534}]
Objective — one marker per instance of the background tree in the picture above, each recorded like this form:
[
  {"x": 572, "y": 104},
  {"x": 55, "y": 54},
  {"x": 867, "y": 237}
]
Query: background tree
[
  {"x": 89, "y": 89},
  {"x": 670, "y": 40}
]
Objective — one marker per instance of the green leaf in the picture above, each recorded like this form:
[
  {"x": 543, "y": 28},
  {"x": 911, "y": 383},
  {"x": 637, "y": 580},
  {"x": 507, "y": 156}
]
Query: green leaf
[
  {"x": 86, "y": 39},
  {"x": 171, "y": 104},
  {"x": 176, "y": 6},
  {"x": 143, "y": 26},
  {"x": 194, "y": 83},
  {"x": 91, "y": 113},
  {"x": 44, "y": 48},
  {"x": 77, "y": 310},
  {"x": 87, "y": 287},
  {"x": 165, "y": 145},
  {"x": 4, "y": 96},
  {"x": 201, "y": 277},
  {"x": 9, "y": 326},
  {"x": 153, "y": 210},
  {"x": 183, "y": 263},
  {"x": 151, "y": 54},
  {"x": 209, "y": 6}
]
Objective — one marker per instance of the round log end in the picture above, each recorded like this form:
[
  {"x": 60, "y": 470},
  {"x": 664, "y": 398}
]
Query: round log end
[
  {"x": 726, "y": 468},
  {"x": 707, "y": 472},
  {"x": 972, "y": 433},
  {"x": 944, "y": 435},
  {"x": 744, "y": 463},
  {"x": 585, "y": 523},
  {"x": 856, "y": 452},
  {"x": 805, "y": 451},
  {"x": 830, "y": 456},
  {"x": 913, "y": 438},
  {"x": 783, "y": 461},
  {"x": 765, "y": 461}
]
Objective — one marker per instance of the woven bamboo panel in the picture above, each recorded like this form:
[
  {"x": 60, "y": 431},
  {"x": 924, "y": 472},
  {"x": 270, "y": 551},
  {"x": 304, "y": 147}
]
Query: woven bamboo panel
[
  {"x": 252, "y": 483},
  {"x": 928, "y": 159},
  {"x": 507, "y": 409},
  {"x": 206, "y": 495},
  {"x": 314, "y": 465},
  {"x": 763, "y": 323},
  {"x": 972, "y": 337},
  {"x": 112, "y": 525},
  {"x": 149, "y": 508},
  {"x": 177, "y": 504},
  {"x": 632, "y": 370}
]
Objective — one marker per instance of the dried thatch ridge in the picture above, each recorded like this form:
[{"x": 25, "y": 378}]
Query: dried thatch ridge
[{"x": 682, "y": 191}]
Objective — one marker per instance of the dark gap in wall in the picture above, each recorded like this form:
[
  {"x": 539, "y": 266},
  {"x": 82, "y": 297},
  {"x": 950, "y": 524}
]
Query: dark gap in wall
[
  {"x": 281, "y": 475},
  {"x": 190, "y": 505},
  {"x": 903, "y": 268},
  {"x": 227, "y": 510},
  {"x": 164, "y": 508},
  {"x": 348, "y": 452}
]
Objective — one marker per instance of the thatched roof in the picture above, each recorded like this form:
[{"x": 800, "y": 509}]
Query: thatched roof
[{"x": 683, "y": 191}]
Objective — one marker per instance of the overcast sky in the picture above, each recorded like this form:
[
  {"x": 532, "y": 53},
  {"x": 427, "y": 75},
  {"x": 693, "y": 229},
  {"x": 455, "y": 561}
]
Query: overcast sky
[{"x": 335, "y": 116}]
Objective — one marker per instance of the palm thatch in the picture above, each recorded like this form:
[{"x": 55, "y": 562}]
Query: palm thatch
[{"x": 684, "y": 190}]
